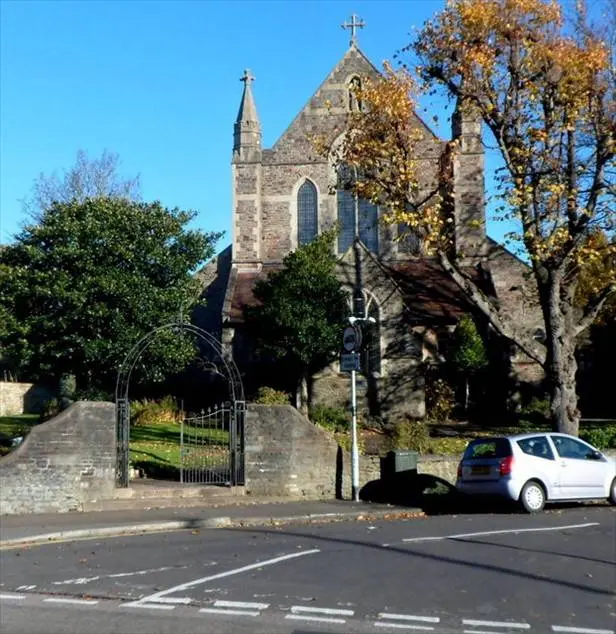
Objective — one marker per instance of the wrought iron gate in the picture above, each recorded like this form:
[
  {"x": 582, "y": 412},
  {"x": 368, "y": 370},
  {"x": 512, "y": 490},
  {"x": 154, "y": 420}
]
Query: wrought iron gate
[
  {"x": 202, "y": 460},
  {"x": 212, "y": 446}
]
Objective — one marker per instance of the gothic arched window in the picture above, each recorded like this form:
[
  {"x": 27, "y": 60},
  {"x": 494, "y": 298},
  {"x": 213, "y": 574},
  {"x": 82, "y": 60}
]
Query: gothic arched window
[
  {"x": 307, "y": 211},
  {"x": 356, "y": 217},
  {"x": 408, "y": 240}
]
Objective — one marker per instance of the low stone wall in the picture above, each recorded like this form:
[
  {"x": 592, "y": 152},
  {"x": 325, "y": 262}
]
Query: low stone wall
[
  {"x": 63, "y": 463},
  {"x": 287, "y": 455},
  {"x": 22, "y": 398}
]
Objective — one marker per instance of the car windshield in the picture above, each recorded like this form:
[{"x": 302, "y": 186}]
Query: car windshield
[{"x": 488, "y": 448}]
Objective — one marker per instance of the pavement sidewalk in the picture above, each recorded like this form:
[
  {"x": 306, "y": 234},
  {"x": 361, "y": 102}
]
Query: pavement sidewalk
[{"x": 16, "y": 530}]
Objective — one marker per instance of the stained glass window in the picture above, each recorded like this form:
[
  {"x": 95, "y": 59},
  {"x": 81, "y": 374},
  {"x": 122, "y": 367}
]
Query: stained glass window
[{"x": 307, "y": 212}]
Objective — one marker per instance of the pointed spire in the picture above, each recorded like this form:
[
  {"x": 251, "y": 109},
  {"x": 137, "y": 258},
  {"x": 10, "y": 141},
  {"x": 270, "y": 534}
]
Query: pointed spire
[
  {"x": 247, "y": 131},
  {"x": 247, "y": 111}
]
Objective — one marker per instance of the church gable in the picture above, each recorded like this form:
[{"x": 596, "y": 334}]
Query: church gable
[{"x": 325, "y": 111}]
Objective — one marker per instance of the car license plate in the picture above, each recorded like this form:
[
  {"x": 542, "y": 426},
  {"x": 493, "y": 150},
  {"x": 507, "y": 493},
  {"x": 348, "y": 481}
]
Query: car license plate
[{"x": 480, "y": 470}]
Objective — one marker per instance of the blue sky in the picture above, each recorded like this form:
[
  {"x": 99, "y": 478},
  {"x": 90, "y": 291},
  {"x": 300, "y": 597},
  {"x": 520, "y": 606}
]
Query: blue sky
[{"x": 158, "y": 83}]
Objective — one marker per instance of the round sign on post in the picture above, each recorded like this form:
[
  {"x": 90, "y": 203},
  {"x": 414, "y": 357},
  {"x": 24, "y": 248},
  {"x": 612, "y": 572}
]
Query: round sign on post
[{"x": 351, "y": 339}]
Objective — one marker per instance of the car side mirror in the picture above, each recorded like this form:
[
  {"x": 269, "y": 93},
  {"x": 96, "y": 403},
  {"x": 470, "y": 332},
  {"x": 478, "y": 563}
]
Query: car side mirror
[{"x": 594, "y": 455}]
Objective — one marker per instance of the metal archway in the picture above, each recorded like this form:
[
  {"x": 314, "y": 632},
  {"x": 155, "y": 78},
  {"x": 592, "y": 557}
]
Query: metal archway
[{"x": 228, "y": 370}]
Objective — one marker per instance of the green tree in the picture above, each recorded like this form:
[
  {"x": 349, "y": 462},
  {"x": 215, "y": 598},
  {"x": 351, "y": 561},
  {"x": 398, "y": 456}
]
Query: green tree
[
  {"x": 82, "y": 286},
  {"x": 545, "y": 90},
  {"x": 301, "y": 313},
  {"x": 468, "y": 353}
]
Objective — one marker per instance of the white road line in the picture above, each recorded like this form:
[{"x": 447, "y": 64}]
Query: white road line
[
  {"x": 478, "y": 631},
  {"x": 403, "y": 626},
  {"x": 154, "y": 606},
  {"x": 579, "y": 630},
  {"x": 82, "y": 580},
  {"x": 241, "y": 604},
  {"x": 409, "y": 617},
  {"x": 511, "y": 624},
  {"x": 17, "y": 597},
  {"x": 26, "y": 587},
  {"x": 71, "y": 601},
  {"x": 298, "y": 609},
  {"x": 229, "y": 611},
  {"x": 501, "y": 532},
  {"x": 220, "y": 575},
  {"x": 322, "y": 619},
  {"x": 175, "y": 600}
]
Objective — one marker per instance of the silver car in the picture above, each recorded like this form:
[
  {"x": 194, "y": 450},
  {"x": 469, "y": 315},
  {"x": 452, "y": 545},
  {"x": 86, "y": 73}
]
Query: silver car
[{"x": 533, "y": 469}]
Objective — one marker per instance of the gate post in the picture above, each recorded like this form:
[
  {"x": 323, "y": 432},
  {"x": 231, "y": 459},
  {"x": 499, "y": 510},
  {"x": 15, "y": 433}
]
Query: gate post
[{"x": 122, "y": 438}]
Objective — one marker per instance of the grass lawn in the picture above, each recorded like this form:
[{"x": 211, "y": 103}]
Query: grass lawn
[
  {"x": 18, "y": 424},
  {"x": 155, "y": 448}
]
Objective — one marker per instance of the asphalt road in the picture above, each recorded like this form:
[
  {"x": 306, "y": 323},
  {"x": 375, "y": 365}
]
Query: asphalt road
[{"x": 554, "y": 572}]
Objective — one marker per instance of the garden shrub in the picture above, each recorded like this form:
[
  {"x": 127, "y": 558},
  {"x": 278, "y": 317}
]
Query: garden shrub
[
  {"x": 334, "y": 419},
  {"x": 412, "y": 435},
  {"x": 603, "y": 437},
  {"x": 149, "y": 412},
  {"x": 440, "y": 399},
  {"x": 269, "y": 396}
]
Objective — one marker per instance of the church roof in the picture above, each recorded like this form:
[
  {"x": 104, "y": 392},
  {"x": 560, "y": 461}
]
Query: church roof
[{"x": 429, "y": 293}]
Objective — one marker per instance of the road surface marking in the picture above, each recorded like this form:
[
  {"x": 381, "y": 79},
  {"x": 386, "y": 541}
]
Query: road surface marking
[
  {"x": 295, "y": 609},
  {"x": 220, "y": 575},
  {"x": 175, "y": 600},
  {"x": 579, "y": 630},
  {"x": 17, "y": 597},
  {"x": 72, "y": 601},
  {"x": 403, "y": 626},
  {"x": 154, "y": 606},
  {"x": 241, "y": 604},
  {"x": 513, "y": 624},
  {"x": 230, "y": 611},
  {"x": 26, "y": 587},
  {"x": 305, "y": 617},
  {"x": 501, "y": 532},
  {"x": 409, "y": 617},
  {"x": 82, "y": 580}
]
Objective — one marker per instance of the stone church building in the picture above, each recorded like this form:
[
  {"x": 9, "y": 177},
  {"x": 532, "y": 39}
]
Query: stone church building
[{"x": 285, "y": 195}]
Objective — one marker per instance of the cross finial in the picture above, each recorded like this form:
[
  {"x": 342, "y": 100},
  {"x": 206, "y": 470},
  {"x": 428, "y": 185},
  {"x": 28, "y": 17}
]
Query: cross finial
[
  {"x": 355, "y": 23},
  {"x": 247, "y": 77}
]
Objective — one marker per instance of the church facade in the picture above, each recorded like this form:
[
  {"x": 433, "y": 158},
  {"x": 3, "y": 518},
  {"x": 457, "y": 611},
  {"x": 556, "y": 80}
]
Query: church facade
[{"x": 285, "y": 195}]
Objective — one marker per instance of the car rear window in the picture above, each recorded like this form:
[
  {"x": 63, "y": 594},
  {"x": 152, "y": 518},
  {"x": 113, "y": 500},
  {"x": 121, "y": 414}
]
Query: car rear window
[{"x": 488, "y": 448}]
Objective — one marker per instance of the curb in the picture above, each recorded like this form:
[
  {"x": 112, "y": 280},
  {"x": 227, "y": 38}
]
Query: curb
[{"x": 207, "y": 523}]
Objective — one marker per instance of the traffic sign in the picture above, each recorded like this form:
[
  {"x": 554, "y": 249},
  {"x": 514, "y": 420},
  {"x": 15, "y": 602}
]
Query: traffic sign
[
  {"x": 349, "y": 361},
  {"x": 351, "y": 339}
]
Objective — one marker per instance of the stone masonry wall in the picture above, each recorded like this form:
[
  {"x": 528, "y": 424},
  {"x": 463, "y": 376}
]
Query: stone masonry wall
[
  {"x": 22, "y": 398},
  {"x": 62, "y": 463}
]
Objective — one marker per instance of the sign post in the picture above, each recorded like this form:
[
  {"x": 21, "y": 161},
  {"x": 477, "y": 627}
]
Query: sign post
[{"x": 349, "y": 361}]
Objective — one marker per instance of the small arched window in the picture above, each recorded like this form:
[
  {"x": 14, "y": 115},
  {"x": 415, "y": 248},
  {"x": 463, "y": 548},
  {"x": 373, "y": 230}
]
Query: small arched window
[
  {"x": 409, "y": 241},
  {"x": 354, "y": 100},
  {"x": 307, "y": 211}
]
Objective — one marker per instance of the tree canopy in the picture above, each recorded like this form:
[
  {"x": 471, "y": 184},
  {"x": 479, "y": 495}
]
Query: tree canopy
[
  {"x": 83, "y": 285},
  {"x": 546, "y": 92},
  {"x": 302, "y": 310}
]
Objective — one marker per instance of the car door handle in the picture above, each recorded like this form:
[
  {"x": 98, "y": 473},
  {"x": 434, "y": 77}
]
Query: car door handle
[{"x": 563, "y": 464}]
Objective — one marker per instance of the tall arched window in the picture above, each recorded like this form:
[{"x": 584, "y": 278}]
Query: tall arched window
[
  {"x": 356, "y": 217},
  {"x": 307, "y": 211},
  {"x": 354, "y": 101}
]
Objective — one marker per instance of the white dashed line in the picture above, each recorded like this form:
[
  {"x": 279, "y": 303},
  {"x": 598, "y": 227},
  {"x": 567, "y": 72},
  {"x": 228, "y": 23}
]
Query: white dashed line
[
  {"x": 71, "y": 601},
  {"x": 501, "y": 532},
  {"x": 26, "y": 587},
  {"x": 82, "y": 580},
  {"x": 153, "y": 606},
  {"x": 409, "y": 617},
  {"x": 321, "y": 619},
  {"x": 174, "y": 600},
  {"x": 229, "y": 611},
  {"x": 511, "y": 624},
  {"x": 16, "y": 597},
  {"x": 241, "y": 604},
  {"x": 298, "y": 609},
  {"x": 403, "y": 626},
  {"x": 579, "y": 630}
]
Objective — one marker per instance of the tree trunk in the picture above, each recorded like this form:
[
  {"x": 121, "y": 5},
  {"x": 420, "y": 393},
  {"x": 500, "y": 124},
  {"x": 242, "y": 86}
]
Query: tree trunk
[
  {"x": 466, "y": 390},
  {"x": 561, "y": 367}
]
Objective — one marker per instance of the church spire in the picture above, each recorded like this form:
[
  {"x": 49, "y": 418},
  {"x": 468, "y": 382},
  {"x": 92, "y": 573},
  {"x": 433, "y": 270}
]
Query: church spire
[{"x": 247, "y": 130}]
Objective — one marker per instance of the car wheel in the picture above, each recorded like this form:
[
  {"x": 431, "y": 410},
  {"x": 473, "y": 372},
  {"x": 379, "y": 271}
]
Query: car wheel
[
  {"x": 612, "y": 496},
  {"x": 532, "y": 497}
]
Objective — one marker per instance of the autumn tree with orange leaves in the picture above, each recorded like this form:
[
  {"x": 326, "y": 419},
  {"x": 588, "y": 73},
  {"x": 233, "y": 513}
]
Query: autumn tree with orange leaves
[{"x": 545, "y": 90}]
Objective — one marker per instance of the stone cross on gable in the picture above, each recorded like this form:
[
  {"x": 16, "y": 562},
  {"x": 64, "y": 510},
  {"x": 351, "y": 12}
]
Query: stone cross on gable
[
  {"x": 247, "y": 78},
  {"x": 355, "y": 23}
]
